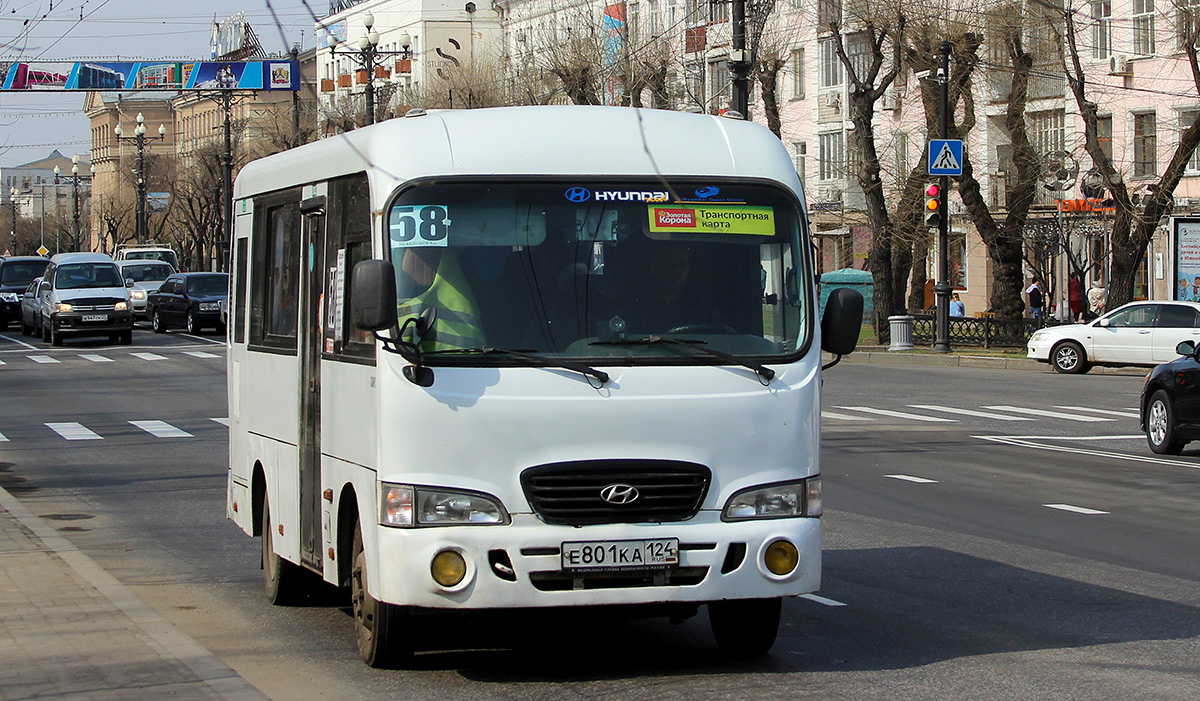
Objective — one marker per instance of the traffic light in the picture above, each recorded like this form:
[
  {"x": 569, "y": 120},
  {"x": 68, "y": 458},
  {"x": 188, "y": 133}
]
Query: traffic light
[{"x": 933, "y": 206}]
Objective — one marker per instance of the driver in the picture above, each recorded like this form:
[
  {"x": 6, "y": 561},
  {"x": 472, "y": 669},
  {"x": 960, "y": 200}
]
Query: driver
[
  {"x": 435, "y": 278},
  {"x": 669, "y": 302}
]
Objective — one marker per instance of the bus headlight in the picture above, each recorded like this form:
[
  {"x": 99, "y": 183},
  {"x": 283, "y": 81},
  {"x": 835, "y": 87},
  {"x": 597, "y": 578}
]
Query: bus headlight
[
  {"x": 406, "y": 506},
  {"x": 783, "y": 500}
]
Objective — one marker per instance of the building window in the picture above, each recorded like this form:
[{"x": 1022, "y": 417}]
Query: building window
[
  {"x": 800, "y": 158},
  {"x": 831, "y": 159},
  {"x": 1143, "y": 27},
  {"x": 655, "y": 24},
  {"x": 1145, "y": 145},
  {"x": 828, "y": 12},
  {"x": 1186, "y": 119},
  {"x": 720, "y": 82},
  {"x": 1104, "y": 126},
  {"x": 1046, "y": 131},
  {"x": 831, "y": 65},
  {"x": 901, "y": 142},
  {"x": 695, "y": 11},
  {"x": 1188, "y": 23},
  {"x": 798, "y": 74},
  {"x": 718, "y": 11},
  {"x": 858, "y": 50},
  {"x": 1102, "y": 29}
]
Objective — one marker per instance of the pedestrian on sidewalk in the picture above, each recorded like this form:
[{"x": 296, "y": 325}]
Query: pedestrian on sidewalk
[
  {"x": 1075, "y": 298},
  {"x": 1097, "y": 298},
  {"x": 957, "y": 308},
  {"x": 1036, "y": 298}
]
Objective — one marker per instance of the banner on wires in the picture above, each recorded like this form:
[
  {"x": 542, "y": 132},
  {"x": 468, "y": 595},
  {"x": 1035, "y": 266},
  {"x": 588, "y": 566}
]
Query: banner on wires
[{"x": 152, "y": 75}]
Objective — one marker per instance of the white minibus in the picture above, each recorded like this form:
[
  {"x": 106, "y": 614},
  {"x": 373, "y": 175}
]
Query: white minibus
[{"x": 531, "y": 357}]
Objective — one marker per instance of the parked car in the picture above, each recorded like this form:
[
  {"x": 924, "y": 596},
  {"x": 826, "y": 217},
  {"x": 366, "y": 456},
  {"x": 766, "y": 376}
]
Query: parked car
[
  {"x": 189, "y": 299},
  {"x": 31, "y": 307},
  {"x": 147, "y": 276},
  {"x": 1138, "y": 333},
  {"x": 1170, "y": 402},
  {"x": 16, "y": 272},
  {"x": 83, "y": 294}
]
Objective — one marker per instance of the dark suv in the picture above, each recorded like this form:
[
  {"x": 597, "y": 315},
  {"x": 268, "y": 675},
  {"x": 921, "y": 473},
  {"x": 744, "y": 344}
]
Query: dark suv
[{"x": 16, "y": 273}]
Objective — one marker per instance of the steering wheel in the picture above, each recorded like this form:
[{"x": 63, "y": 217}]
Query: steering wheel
[{"x": 704, "y": 328}]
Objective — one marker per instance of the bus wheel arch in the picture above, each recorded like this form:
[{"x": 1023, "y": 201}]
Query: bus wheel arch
[
  {"x": 258, "y": 496},
  {"x": 347, "y": 522}
]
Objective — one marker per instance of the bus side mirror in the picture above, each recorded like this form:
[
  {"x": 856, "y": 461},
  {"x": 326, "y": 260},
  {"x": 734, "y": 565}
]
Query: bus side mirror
[
  {"x": 842, "y": 321},
  {"x": 373, "y": 295}
]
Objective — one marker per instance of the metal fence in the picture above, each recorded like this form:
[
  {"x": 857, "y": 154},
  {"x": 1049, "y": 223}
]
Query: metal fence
[{"x": 983, "y": 332}]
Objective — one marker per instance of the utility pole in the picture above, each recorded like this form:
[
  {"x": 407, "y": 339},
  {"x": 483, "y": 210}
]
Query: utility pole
[
  {"x": 942, "y": 289},
  {"x": 296, "y": 100},
  {"x": 739, "y": 62}
]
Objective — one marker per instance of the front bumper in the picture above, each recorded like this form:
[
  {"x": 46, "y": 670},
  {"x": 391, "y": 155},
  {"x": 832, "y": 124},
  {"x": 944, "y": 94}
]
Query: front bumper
[
  {"x": 1038, "y": 350},
  {"x": 710, "y": 567},
  {"x": 74, "y": 324}
]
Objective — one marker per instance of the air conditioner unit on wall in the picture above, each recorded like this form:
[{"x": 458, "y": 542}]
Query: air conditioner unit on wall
[
  {"x": 1118, "y": 64},
  {"x": 833, "y": 100}
]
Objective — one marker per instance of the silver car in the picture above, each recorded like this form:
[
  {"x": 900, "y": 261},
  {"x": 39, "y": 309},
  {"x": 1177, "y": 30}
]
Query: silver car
[{"x": 147, "y": 276}]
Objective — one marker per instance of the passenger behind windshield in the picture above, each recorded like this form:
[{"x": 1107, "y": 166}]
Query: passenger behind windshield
[{"x": 87, "y": 275}]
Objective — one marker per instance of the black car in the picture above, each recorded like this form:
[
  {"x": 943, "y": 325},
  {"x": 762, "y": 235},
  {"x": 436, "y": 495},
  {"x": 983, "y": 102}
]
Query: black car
[
  {"x": 191, "y": 300},
  {"x": 16, "y": 273},
  {"x": 1170, "y": 404}
]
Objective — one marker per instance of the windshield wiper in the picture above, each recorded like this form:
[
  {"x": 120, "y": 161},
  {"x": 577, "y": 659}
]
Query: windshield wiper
[
  {"x": 762, "y": 371},
  {"x": 526, "y": 354}
]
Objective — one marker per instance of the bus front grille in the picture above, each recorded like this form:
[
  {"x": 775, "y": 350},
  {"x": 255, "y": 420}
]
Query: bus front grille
[{"x": 616, "y": 491}]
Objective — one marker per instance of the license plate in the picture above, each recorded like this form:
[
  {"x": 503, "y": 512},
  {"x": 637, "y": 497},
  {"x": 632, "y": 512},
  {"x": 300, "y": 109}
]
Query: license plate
[
  {"x": 620, "y": 554},
  {"x": 95, "y": 317}
]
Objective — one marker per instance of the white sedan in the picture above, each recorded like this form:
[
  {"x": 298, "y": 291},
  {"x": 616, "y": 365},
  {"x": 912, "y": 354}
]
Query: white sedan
[{"x": 1139, "y": 333}]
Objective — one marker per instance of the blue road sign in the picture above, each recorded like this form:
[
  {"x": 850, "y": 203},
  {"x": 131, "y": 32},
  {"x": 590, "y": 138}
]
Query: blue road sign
[{"x": 945, "y": 156}]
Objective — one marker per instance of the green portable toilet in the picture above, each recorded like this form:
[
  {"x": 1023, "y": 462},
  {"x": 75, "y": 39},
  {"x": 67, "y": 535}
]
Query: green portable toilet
[{"x": 855, "y": 279}]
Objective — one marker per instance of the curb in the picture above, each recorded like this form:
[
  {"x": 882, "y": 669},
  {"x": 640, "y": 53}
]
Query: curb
[{"x": 883, "y": 357}]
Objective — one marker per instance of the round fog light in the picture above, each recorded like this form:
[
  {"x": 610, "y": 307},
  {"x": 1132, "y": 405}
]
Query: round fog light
[
  {"x": 781, "y": 557},
  {"x": 449, "y": 568}
]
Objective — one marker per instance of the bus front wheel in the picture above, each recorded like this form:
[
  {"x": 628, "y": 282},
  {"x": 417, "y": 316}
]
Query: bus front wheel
[
  {"x": 746, "y": 627},
  {"x": 284, "y": 581},
  {"x": 379, "y": 627}
]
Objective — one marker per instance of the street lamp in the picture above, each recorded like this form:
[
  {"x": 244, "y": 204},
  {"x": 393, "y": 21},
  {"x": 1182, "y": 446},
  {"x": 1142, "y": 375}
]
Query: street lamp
[
  {"x": 369, "y": 56},
  {"x": 12, "y": 202},
  {"x": 75, "y": 178},
  {"x": 139, "y": 138}
]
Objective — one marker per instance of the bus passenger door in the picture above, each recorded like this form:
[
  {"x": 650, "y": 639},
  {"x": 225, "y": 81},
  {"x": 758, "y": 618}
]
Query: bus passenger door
[{"x": 310, "y": 338}]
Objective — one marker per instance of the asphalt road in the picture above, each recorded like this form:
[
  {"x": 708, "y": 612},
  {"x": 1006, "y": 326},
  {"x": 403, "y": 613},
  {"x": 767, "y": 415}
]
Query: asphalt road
[{"x": 974, "y": 557}]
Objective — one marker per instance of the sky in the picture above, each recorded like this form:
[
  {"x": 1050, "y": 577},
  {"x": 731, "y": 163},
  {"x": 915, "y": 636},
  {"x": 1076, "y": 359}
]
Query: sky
[{"x": 34, "y": 125}]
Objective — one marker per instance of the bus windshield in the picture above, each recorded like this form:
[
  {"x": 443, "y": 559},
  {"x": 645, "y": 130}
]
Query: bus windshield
[{"x": 600, "y": 269}]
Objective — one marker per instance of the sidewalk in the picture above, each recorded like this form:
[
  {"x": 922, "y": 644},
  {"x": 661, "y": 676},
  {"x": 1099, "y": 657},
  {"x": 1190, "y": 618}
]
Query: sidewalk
[{"x": 68, "y": 629}]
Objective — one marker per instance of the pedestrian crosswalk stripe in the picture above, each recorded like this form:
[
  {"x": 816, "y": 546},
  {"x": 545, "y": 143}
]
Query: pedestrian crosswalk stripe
[
  {"x": 1106, "y": 412},
  {"x": 844, "y": 417},
  {"x": 73, "y": 431},
  {"x": 95, "y": 358},
  {"x": 1047, "y": 413},
  {"x": 899, "y": 414},
  {"x": 1075, "y": 509},
  {"x": 2, "y": 362},
  {"x": 821, "y": 600},
  {"x": 3, "y": 439},
  {"x": 910, "y": 478},
  {"x": 149, "y": 356},
  {"x": 224, "y": 421},
  {"x": 201, "y": 354},
  {"x": 42, "y": 359},
  {"x": 971, "y": 412},
  {"x": 161, "y": 429}
]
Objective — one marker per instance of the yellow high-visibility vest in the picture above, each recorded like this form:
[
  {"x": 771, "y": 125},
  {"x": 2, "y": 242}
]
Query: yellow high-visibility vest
[{"x": 457, "y": 323}]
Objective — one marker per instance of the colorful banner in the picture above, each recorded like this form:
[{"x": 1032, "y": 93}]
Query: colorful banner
[
  {"x": 1187, "y": 259},
  {"x": 712, "y": 219},
  {"x": 153, "y": 75}
]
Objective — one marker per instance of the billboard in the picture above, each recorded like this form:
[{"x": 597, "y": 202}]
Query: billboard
[
  {"x": 1187, "y": 258},
  {"x": 153, "y": 75}
]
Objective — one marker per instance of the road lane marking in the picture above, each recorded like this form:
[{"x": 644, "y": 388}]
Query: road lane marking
[
  {"x": 899, "y": 414},
  {"x": 910, "y": 478},
  {"x": 161, "y": 429},
  {"x": 95, "y": 358},
  {"x": 1106, "y": 412},
  {"x": 1028, "y": 442},
  {"x": 1045, "y": 413},
  {"x": 1075, "y": 509},
  {"x": 19, "y": 342},
  {"x": 224, "y": 421},
  {"x": 3, "y": 438},
  {"x": 74, "y": 431},
  {"x": 149, "y": 356},
  {"x": 42, "y": 359},
  {"x": 201, "y": 354},
  {"x": 844, "y": 417},
  {"x": 971, "y": 412},
  {"x": 821, "y": 600}
]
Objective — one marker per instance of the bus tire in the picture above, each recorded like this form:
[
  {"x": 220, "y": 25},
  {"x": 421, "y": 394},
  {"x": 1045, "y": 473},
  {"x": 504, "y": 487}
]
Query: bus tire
[
  {"x": 284, "y": 581},
  {"x": 745, "y": 628},
  {"x": 379, "y": 627}
]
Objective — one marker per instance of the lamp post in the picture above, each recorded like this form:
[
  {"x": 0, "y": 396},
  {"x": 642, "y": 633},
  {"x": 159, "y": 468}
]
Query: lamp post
[
  {"x": 75, "y": 178},
  {"x": 12, "y": 202},
  {"x": 368, "y": 56},
  {"x": 139, "y": 138}
]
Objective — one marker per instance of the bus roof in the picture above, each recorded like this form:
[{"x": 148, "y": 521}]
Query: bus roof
[{"x": 538, "y": 140}]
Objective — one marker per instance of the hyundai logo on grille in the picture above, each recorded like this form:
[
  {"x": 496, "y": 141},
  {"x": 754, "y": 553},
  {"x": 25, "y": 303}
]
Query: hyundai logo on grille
[
  {"x": 619, "y": 494},
  {"x": 579, "y": 194}
]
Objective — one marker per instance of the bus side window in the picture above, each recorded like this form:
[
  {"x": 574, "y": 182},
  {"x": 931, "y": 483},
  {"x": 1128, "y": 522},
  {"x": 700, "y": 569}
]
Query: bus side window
[
  {"x": 348, "y": 234},
  {"x": 239, "y": 292},
  {"x": 276, "y": 256}
]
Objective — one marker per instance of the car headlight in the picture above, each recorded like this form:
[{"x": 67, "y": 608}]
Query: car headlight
[
  {"x": 209, "y": 306},
  {"x": 407, "y": 506},
  {"x": 9, "y": 296},
  {"x": 120, "y": 306},
  {"x": 64, "y": 307},
  {"x": 1038, "y": 335},
  {"x": 138, "y": 294},
  {"x": 783, "y": 500}
]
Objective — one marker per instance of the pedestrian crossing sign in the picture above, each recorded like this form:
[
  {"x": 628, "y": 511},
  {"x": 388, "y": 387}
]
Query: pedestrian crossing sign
[{"x": 945, "y": 157}]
